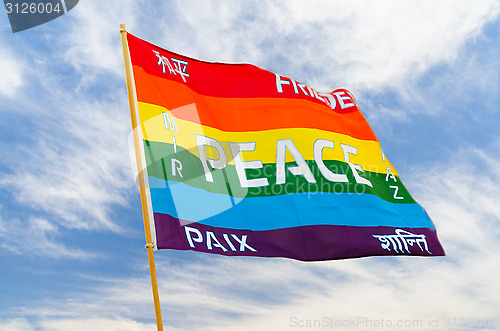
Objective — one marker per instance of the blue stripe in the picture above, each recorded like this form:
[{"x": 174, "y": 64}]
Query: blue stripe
[{"x": 282, "y": 211}]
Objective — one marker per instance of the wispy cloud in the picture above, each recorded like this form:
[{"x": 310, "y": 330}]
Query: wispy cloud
[
  {"x": 76, "y": 167},
  {"x": 106, "y": 304},
  {"x": 327, "y": 44},
  {"x": 98, "y": 324},
  {"x": 244, "y": 293},
  {"x": 11, "y": 67},
  {"x": 15, "y": 324},
  {"x": 37, "y": 237},
  {"x": 461, "y": 193}
]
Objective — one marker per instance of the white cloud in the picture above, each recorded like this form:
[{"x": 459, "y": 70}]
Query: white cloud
[
  {"x": 15, "y": 324},
  {"x": 366, "y": 45},
  {"x": 454, "y": 90},
  {"x": 97, "y": 324},
  {"x": 216, "y": 293},
  {"x": 106, "y": 304},
  {"x": 393, "y": 42},
  {"x": 11, "y": 68},
  {"x": 36, "y": 237},
  {"x": 83, "y": 324}
]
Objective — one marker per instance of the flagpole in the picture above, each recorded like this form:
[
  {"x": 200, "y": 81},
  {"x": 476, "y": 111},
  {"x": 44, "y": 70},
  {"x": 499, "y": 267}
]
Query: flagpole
[{"x": 145, "y": 215}]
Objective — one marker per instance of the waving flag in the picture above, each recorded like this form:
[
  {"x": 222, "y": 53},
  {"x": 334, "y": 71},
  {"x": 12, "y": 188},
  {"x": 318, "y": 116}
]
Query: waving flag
[{"x": 242, "y": 161}]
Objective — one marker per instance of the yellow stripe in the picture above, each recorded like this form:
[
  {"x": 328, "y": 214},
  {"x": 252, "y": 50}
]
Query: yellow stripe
[{"x": 369, "y": 153}]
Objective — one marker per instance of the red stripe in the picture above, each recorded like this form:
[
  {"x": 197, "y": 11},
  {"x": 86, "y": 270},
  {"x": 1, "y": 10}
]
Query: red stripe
[{"x": 218, "y": 79}]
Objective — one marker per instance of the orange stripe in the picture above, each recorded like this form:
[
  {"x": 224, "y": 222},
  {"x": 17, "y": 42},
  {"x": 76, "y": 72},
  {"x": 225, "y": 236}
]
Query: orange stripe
[{"x": 248, "y": 114}]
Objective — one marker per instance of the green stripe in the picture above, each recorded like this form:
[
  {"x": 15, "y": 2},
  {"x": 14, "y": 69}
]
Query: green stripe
[{"x": 159, "y": 155}]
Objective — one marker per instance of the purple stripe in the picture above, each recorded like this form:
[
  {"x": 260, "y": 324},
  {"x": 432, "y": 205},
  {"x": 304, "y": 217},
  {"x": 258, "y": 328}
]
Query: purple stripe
[{"x": 305, "y": 243}]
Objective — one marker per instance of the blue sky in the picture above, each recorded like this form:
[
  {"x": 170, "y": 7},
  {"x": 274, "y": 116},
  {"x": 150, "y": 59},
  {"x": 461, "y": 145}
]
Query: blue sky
[{"x": 426, "y": 75}]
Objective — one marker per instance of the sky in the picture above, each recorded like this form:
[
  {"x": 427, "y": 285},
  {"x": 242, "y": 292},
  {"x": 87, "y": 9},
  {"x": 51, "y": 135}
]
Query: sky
[{"x": 426, "y": 76}]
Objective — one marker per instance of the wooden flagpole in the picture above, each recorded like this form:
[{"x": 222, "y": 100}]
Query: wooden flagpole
[{"x": 140, "y": 173}]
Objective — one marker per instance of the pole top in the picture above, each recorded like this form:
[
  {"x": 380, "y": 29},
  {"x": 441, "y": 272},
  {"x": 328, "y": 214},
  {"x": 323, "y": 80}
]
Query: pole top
[{"x": 122, "y": 28}]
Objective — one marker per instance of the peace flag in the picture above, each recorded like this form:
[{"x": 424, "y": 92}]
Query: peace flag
[{"x": 242, "y": 161}]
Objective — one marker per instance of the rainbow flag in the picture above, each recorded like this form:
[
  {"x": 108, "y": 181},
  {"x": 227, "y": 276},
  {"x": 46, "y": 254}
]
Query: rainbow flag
[{"x": 243, "y": 161}]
